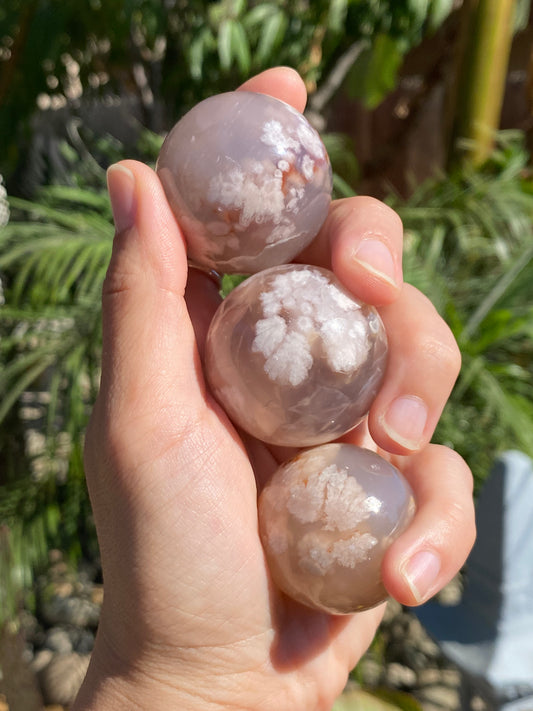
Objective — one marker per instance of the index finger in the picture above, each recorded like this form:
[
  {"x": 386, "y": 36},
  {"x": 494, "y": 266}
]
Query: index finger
[{"x": 282, "y": 83}]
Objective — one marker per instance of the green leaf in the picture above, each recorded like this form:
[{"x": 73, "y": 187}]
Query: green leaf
[
  {"x": 240, "y": 47},
  {"x": 197, "y": 50},
  {"x": 229, "y": 282},
  {"x": 438, "y": 12},
  {"x": 237, "y": 7},
  {"x": 29, "y": 375},
  {"x": 259, "y": 14},
  {"x": 271, "y": 37},
  {"x": 216, "y": 14},
  {"x": 337, "y": 15},
  {"x": 224, "y": 44},
  {"x": 378, "y": 700},
  {"x": 359, "y": 700},
  {"x": 341, "y": 152},
  {"x": 419, "y": 9},
  {"x": 375, "y": 73},
  {"x": 341, "y": 188},
  {"x": 400, "y": 699},
  {"x": 522, "y": 12},
  {"x": 498, "y": 290},
  {"x": 43, "y": 211}
]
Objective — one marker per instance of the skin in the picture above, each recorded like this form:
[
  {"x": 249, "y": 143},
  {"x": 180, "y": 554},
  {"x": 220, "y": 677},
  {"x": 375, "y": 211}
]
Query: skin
[{"x": 190, "y": 619}]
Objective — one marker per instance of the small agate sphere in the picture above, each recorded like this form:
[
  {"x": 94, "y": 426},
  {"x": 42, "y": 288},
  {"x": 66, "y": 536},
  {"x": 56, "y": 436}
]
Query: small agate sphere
[
  {"x": 294, "y": 358},
  {"x": 248, "y": 179},
  {"x": 326, "y": 519}
]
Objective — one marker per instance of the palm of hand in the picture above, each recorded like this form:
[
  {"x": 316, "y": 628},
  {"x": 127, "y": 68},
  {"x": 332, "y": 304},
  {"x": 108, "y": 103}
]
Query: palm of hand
[{"x": 193, "y": 487}]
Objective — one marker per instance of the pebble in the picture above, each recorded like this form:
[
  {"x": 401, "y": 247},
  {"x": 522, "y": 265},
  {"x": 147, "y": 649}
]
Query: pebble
[
  {"x": 58, "y": 640},
  {"x": 76, "y": 611},
  {"x": 61, "y": 678},
  {"x": 399, "y": 676},
  {"x": 97, "y": 595},
  {"x": 371, "y": 671},
  {"x": 83, "y": 641},
  {"x": 60, "y": 637},
  {"x": 433, "y": 677},
  {"x": 451, "y": 594},
  {"x": 40, "y": 660},
  {"x": 437, "y": 697}
]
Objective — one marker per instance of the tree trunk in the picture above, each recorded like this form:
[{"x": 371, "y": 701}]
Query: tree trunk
[{"x": 486, "y": 39}]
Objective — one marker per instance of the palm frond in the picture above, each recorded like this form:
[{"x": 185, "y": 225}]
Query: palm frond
[
  {"x": 469, "y": 247},
  {"x": 53, "y": 258}
]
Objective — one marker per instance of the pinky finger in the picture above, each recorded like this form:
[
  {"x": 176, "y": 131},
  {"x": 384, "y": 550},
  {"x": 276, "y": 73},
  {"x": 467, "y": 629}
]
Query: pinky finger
[{"x": 436, "y": 544}]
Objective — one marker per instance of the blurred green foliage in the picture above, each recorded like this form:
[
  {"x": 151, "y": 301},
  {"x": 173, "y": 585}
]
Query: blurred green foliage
[
  {"x": 469, "y": 248},
  {"x": 376, "y": 700},
  {"x": 175, "y": 53}
]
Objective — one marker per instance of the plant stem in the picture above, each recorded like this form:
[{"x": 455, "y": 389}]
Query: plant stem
[{"x": 482, "y": 75}]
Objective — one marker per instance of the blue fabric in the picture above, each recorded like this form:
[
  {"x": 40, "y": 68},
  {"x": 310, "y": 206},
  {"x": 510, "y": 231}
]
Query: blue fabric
[{"x": 490, "y": 633}]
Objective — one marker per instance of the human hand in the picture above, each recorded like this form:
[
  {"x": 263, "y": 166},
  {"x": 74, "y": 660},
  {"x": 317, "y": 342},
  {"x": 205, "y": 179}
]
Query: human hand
[{"x": 190, "y": 618}]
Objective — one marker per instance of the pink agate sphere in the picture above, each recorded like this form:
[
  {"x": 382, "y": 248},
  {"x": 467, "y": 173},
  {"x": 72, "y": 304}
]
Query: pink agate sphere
[
  {"x": 326, "y": 519},
  {"x": 248, "y": 179},
  {"x": 294, "y": 358}
]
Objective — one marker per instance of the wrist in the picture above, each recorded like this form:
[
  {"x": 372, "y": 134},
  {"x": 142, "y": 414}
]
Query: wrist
[
  {"x": 127, "y": 673},
  {"x": 114, "y": 685}
]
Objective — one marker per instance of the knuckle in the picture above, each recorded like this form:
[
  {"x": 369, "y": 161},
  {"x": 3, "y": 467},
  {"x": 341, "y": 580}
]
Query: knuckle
[
  {"x": 442, "y": 352},
  {"x": 453, "y": 462},
  {"x": 457, "y": 524},
  {"x": 118, "y": 281},
  {"x": 365, "y": 210},
  {"x": 457, "y": 513},
  {"x": 124, "y": 271},
  {"x": 438, "y": 344},
  {"x": 457, "y": 508},
  {"x": 377, "y": 207}
]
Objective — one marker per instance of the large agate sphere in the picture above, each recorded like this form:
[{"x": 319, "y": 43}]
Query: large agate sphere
[
  {"x": 326, "y": 519},
  {"x": 294, "y": 358},
  {"x": 248, "y": 179}
]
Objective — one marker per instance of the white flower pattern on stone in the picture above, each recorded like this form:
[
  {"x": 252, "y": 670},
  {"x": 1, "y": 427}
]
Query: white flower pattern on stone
[
  {"x": 258, "y": 196},
  {"x": 276, "y": 136},
  {"x": 307, "y": 316},
  {"x": 330, "y": 496}
]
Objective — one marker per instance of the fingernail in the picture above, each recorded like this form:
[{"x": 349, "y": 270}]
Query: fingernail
[
  {"x": 405, "y": 421},
  {"x": 121, "y": 186},
  {"x": 420, "y": 573},
  {"x": 375, "y": 257}
]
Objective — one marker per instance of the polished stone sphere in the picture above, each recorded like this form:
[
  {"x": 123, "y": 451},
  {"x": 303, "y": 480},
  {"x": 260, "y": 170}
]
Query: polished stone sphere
[
  {"x": 248, "y": 179},
  {"x": 326, "y": 519},
  {"x": 293, "y": 357}
]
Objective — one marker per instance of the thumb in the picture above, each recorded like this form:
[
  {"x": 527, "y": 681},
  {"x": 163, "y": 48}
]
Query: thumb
[{"x": 149, "y": 352}]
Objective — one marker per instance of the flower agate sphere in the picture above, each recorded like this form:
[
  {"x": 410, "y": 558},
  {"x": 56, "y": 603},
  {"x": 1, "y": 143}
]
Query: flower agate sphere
[
  {"x": 248, "y": 179},
  {"x": 293, "y": 357},
  {"x": 326, "y": 519}
]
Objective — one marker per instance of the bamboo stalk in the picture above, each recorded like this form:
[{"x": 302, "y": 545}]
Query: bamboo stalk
[{"x": 482, "y": 76}]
